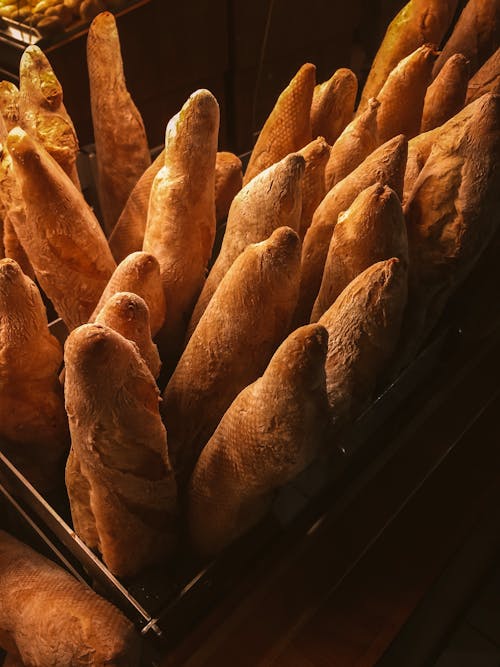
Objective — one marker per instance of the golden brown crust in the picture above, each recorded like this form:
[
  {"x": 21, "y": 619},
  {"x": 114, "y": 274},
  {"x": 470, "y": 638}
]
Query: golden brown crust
[
  {"x": 246, "y": 320},
  {"x": 42, "y": 112},
  {"x": 357, "y": 141},
  {"x": 373, "y": 229},
  {"x": 385, "y": 165},
  {"x": 475, "y": 35},
  {"x": 269, "y": 434},
  {"x": 119, "y": 449},
  {"x": 63, "y": 240},
  {"x": 13, "y": 248},
  {"x": 403, "y": 94},
  {"x": 316, "y": 155},
  {"x": 486, "y": 79},
  {"x": 120, "y": 138},
  {"x": 33, "y": 591},
  {"x": 419, "y": 22},
  {"x": 272, "y": 199},
  {"x": 9, "y": 104},
  {"x": 333, "y": 105},
  {"x": 288, "y": 127},
  {"x": 446, "y": 95},
  {"x": 181, "y": 218},
  {"x": 228, "y": 182},
  {"x": 138, "y": 273},
  {"x": 363, "y": 329},
  {"x": 33, "y": 424}
]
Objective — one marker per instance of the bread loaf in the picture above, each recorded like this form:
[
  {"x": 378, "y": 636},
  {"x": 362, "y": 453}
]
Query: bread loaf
[
  {"x": 419, "y": 22},
  {"x": 316, "y": 156},
  {"x": 9, "y": 104},
  {"x": 247, "y": 318},
  {"x": 228, "y": 182},
  {"x": 269, "y": 434},
  {"x": 475, "y": 35},
  {"x": 372, "y": 229},
  {"x": 363, "y": 327},
  {"x": 333, "y": 105},
  {"x": 181, "y": 218},
  {"x": 138, "y": 273},
  {"x": 119, "y": 134},
  {"x": 385, "y": 165},
  {"x": 120, "y": 484},
  {"x": 60, "y": 234},
  {"x": 357, "y": 141},
  {"x": 272, "y": 199},
  {"x": 288, "y": 128},
  {"x": 446, "y": 95},
  {"x": 49, "y": 618},
  {"x": 33, "y": 424},
  {"x": 486, "y": 79}
]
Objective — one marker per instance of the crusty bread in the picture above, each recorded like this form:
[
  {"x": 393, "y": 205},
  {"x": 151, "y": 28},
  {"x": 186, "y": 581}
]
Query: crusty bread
[
  {"x": 357, "y": 141},
  {"x": 33, "y": 424},
  {"x": 13, "y": 248},
  {"x": 128, "y": 314},
  {"x": 446, "y": 95},
  {"x": 180, "y": 230},
  {"x": 61, "y": 236},
  {"x": 288, "y": 128},
  {"x": 486, "y": 79},
  {"x": 42, "y": 112},
  {"x": 313, "y": 187},
  {"x": 9, "y": 104},
  {"x": 228, "y": 182},
  {"x": 47, "y": 617},
  {"x": 363, "y": 327},
  {"x": 385, "y": 165},
  {"x": 371, "y": 230},
  {"x": 452, "y": 213},
  {"x": 419, "y": 22},
  {"x": 475, "y": 35},
  {"x": 121, "y": 487},
  {"x": 128, "y": 233},
  {"x": 272, "y": 199},
  {"x": 269, "y": 434},
  {"x": 333, "y": 105},
  {"x": 247, "y": 318},
  {"x": 138, "y": 273},
  {"x": 120, "y": 138},
  {"x": 403, "y": 94}
]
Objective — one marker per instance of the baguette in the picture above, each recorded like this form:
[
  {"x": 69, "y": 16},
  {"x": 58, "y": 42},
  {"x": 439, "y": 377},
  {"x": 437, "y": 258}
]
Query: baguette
[
  {"x": 42, "y": 112},
  {"x": 128, "y": 314},
  {"x": 62, "y": 238},
  {"x": 357, "y": 141},
  {"x": 33, "y": 424},
  {"x": 446, "y": 95},
  {"x": 373, "y": 229},
  {"x": 228, "y": 182},
  {"x": 272, "y": 199},
  {"x": 313, "y": 188},
  {"x": 9, "y": 104},
  {"x": 288, "y": 128},
  {"x": 138, "y": 273},
  {"x": 120, "y": 484},
  {"x": 486, "y": 79},
  {"x": 246, "y": 320},
  {"x": 49, "y": 618},
  {"x": 475, "y": 35},
  {"x": 269, "y": 434},
  {"x": 333, "y": 105},
  {"x": 363, "y": 327},
  {"x": 120, "y": 138},
  {"x": 180, "y": 230},
  {"x": 419, "y": 22},
  {"x": 385, "y": 165},
  {"x": 403, "y": 94}
]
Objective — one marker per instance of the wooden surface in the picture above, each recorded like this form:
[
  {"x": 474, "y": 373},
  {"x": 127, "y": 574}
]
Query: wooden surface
[{"x": 341, "y": 596}]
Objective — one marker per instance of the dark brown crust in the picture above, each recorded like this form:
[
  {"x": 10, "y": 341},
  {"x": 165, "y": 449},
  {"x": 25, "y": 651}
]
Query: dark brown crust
[{"x": 486, "y": 79}]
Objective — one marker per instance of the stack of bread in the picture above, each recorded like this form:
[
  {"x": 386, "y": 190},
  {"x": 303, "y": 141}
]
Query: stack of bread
[{"x": 345, "y": 238}]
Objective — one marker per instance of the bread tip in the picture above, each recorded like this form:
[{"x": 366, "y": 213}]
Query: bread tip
[
  {"x": 285, "y": 236},
  {"x": 92, "y": 345},
  {"x": 19, "y": 143},
  {"x": 373, "y": 103},
  {"x": 9, "y": 268}
]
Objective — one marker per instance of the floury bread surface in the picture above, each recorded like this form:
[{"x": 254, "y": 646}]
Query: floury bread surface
[
  {"x": 247, "y": 318},
  {"x": 333, "y": 105},
  {"x": 288, "y": 128},
  {"x": 272, "y": 199},
  {"x": 33, "y": 424},
  {"x": 49, "y": 618},
  {"x": 120, "y": 138},
  {"x": 121, "y": 487},
  {"x": 61, "y": 236},
  {"x": 269, "y": 434}
]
